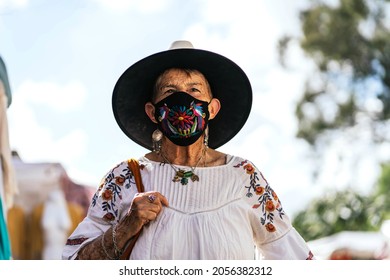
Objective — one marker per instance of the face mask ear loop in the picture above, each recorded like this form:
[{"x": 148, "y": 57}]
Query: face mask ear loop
[{"x": 210, "y": 101}]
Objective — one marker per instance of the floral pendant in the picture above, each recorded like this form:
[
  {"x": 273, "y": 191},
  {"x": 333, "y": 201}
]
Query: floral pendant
[{"x": 182, "y": 177}]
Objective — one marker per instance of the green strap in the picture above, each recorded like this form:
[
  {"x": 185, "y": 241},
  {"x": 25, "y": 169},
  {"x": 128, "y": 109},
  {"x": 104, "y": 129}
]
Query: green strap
[{"x": 5, "y": 245}]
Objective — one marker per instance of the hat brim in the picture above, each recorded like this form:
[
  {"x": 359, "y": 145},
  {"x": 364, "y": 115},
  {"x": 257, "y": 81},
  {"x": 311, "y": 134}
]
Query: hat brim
[{"x": 227, "y": 80}]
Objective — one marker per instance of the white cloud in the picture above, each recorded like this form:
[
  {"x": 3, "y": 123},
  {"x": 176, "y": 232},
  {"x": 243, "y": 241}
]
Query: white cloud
[
  {"x": 226, "y": 12},
  {"x": 33, "y": 140},
  {"x": 12, "y": 4},
  {"x": 243, "y": 31},
  {"x": 123, "y": 6},
  {"x": 61, "y": 98},
  {"x": 39, "y": 144},
  {"x": 71, "y": 146}
]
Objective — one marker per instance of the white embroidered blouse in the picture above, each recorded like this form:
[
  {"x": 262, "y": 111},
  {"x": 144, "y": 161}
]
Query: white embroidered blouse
[{"x": 230, "y": 213}]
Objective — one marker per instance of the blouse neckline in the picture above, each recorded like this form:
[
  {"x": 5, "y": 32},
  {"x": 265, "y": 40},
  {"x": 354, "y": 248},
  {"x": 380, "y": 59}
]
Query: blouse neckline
[{"x": 229, "y": 161}]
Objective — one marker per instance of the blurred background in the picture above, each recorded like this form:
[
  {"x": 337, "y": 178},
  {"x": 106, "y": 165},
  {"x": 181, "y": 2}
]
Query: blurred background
[{"x": 318, "y": 130}]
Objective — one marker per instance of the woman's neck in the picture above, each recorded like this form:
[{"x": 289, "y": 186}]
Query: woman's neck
[
  {"x": 184, "y": 155},
  {"x": 189, "y": 155}
]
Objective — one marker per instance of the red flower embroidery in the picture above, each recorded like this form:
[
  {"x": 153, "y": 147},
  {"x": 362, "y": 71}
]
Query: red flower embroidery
[
  {"x": 181, "y": 119},
  {"x": 269, "y": 206},
  {"x": 107, "y": 194},
  {"x": 270, "y": 227},
  {"x": 119, "y": 180},
  {"x": 249, "y": 168},
  {"x": 259, "y": 190},
  {"x": 109, "y": 217},
  {"x": 267, "y": 200}
]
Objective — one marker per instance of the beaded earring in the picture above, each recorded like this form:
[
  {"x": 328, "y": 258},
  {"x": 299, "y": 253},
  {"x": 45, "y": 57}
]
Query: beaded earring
[
  {"x": 206, "y": 137},
  {"x": 156, "y": 139}
]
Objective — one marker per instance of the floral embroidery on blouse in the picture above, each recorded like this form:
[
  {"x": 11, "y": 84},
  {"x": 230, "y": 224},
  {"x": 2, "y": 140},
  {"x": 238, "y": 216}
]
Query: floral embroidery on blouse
[
  {"x": 267, "y": 198},
  {"x": 110, "y": 191},
  {"x": 76, "y": 241}
]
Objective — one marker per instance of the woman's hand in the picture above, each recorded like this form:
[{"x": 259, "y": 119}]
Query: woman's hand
[{"x": 144, "y": 208}]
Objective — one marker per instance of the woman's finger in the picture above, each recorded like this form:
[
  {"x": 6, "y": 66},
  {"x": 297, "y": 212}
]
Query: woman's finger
[
  {"x": 152, "y": 198},
  {"x": 155, "y": 197},
  {"x": 146, "y": 206}
]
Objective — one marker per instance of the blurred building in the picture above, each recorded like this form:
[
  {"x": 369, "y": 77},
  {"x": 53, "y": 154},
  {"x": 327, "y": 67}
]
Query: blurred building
[{"x": 43, "y": 186}]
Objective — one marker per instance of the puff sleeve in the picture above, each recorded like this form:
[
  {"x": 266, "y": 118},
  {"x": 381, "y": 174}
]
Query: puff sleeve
[
  {"x": 274, "y": 235},
  {"x": 109, "y": 204}
]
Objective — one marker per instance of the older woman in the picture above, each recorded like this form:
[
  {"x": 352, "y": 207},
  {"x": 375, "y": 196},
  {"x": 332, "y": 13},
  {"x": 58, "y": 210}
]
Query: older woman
[{"x": 198, "y": 203}]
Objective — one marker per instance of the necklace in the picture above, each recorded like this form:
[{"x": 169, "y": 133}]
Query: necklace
[{"x": 180, "y": 174}]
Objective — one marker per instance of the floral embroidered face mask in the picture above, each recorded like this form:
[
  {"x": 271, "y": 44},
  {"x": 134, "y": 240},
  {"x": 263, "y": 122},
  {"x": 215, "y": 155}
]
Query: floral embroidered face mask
[{"x": 182, "y": 118}]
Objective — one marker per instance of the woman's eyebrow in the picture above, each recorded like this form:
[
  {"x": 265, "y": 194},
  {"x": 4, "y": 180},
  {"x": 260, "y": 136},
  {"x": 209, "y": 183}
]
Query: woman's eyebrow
[
  {"x": 194, "y": 83},
  {"x": 187, "y": 84},
  {"x": 168, "y": 86}
]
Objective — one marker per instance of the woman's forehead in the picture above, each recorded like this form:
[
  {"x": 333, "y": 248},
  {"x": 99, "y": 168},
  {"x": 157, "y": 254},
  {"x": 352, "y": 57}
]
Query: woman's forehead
[
  {"x": 181, "y": 76},
  {"x": 181, "y": 80}
]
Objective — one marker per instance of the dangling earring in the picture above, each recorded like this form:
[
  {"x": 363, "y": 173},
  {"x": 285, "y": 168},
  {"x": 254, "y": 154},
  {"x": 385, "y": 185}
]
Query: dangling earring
[
  {"x": 206, "y": 137},
  {"x": 157, "y": 140}
]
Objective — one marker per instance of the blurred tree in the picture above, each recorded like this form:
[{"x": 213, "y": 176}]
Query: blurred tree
[
  {"x": 347, "y": 96},
  {"x": 337, "y": 211},
  {"x": 382, "y": 191},
  {"x": 350, "y": 45}
]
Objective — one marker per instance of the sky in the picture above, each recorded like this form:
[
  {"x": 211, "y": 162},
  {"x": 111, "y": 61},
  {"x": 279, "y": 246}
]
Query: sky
[{"x": 64, "y": 57}]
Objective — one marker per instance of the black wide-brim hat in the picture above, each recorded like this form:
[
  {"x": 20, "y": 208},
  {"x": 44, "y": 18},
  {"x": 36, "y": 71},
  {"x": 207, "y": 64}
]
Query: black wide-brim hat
[{"x": 227, "y": 80}]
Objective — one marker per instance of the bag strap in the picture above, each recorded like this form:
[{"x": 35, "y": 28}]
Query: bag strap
[{"x": 135, "y": 170}]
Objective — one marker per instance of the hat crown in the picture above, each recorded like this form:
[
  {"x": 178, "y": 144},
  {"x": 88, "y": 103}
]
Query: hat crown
[{"x": 181, "y": 44}]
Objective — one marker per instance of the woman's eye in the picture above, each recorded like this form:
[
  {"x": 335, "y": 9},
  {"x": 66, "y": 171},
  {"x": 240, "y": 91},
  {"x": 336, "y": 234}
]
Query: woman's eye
[
  {"x": 195, "y": 90},
  {"x": 169, "y": 91}
]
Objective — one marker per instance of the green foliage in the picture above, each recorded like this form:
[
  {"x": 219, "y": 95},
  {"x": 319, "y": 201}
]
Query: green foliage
[
  {"x": 350, "y": 45},
  {"x": 335, "y": 212},
  {"x": 383, "y": 187},
  {"x": 382, "y": 190},
  {"x": 333, "y": 34},
  {"x": 346, "y": 210}
]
